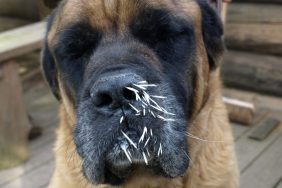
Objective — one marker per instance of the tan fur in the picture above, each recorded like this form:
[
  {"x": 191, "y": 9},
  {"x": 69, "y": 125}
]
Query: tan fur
[{"x": 213, "y": 162}]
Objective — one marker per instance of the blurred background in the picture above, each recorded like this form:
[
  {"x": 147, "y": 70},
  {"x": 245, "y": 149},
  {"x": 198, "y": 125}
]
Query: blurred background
[{"x": 251, "y": 72}]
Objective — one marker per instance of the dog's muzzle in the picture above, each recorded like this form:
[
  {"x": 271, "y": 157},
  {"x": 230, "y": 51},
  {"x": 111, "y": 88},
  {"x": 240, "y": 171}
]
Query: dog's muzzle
[{"x": 129, "y": 118}]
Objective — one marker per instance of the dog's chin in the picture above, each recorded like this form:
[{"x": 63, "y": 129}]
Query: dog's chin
[
  {"x": 123, "y": 159},
  {"x": 116, "y": 168}
]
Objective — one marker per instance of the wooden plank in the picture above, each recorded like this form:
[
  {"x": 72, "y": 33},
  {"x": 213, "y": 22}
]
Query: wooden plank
[
  {"x": 39, "y": 156},
  {"x": 7, "y": 23},
  {"x": 264, "y": 129},
  {"x": 238, "y": 130},
  {"x": 262, "y": 73},
  {"x": 35, "y": 179},
  {"x": 14, "y": 124},
  {"x": 240, "y": 111},
  {"x": 260, "y": 1},
  {"x": 266, "y": 171},
  {"x": 264, "y": 103},
  {"x": 41, "y": 151},
  {"x": 43, "y": 108},
  {"x": 253, "y": 37},
  {"x": 20, "y": 9},
  {"x": 248, "y": 149},
  {"x": 254, "y": 13},
  {"x": 20, "y": 41},
  {"x": 279, "y": 184}
]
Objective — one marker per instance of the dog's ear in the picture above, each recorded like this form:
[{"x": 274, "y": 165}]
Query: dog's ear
[
  {"x": 48, "y": 65},
  {"x": 212, "y": 30}
]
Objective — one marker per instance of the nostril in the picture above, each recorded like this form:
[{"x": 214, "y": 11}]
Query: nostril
[
  {"x": 103, "y": 99},
  {"x": 128, "y": 94}
]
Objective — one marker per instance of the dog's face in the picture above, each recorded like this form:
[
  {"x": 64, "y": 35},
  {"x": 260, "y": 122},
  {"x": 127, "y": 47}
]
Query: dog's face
[{"x": 130, "y": 71}]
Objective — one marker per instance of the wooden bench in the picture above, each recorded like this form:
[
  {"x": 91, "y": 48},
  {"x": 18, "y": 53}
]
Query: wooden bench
[{"x": 14, "y": 121}]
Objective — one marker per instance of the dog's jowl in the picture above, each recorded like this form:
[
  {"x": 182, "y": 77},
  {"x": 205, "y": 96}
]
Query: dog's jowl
[{"x": 138, "y": 83}]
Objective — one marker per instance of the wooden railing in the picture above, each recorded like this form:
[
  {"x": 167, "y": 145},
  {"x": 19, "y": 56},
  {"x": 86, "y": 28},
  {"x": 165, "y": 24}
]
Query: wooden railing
[{"x": 14, "y": 121}]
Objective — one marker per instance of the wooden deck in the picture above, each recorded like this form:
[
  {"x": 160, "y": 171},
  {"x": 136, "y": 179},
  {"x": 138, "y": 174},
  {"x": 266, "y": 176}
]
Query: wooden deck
[{"x": 260, "y": 161}]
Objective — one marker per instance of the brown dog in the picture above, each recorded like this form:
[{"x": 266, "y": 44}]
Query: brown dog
[{"x": 140, "y": 93}]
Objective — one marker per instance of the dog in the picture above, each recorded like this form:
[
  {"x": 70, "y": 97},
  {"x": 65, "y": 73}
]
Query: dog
[{"x": 139, "y": 87}]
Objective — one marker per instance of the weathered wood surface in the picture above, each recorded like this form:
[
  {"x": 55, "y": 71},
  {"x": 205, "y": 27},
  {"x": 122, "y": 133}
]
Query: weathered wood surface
[
  {"x": 239, "y": 130},
  {"x": 43, "y": 108},
  {"x": 267, "y": 169},
  {"x": 249, "y": 149},
  {"x": 254, "y": 13},
  {"x": 279, "y": 185},
  {"x": 260, "y": 1},
  {"x": 43, "y": 9},
  {"x": 254, "y": 37},
  {"x": 18, "y": 8},
  {"x": 240, "y": 111},
  {"x": 253, "y": 71},
  {"x": 20, "y": 41},
  {"x": 265, "y": 128},
  {"x": 14, "y": 124},
  {"x": 7, "y": 23},
  {"x": 264, "y": 103}
]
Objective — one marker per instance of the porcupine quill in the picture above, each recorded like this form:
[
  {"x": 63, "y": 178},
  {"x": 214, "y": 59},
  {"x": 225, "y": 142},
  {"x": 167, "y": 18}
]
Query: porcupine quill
[{"x": 153, "y": 108}]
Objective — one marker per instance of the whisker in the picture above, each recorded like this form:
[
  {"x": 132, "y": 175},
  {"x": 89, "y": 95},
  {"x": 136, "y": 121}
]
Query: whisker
[
  {"x": 151, "y": 131},
  {"x": 130, "y": 141},
  {"x": 188, "y": 157},
  {"x": 200, "y": 139},
  {"x": 166, "y": 112}
]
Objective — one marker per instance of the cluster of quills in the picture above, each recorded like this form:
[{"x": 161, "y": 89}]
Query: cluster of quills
[{"x": 148, "y": 107}]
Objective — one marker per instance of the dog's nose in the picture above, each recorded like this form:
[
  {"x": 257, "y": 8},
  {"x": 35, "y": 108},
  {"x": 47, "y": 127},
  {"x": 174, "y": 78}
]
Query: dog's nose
[{"x": 110, "y": 92}]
